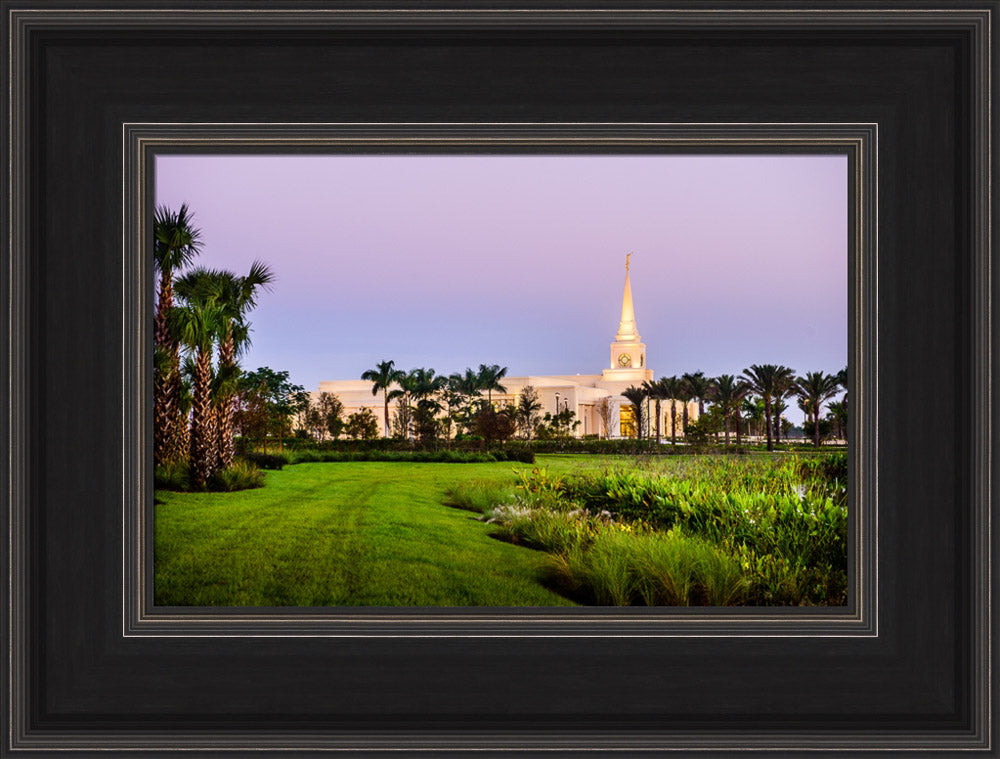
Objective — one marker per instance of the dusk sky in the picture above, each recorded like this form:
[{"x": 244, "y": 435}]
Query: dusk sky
[{"x": 452, "y": 261}]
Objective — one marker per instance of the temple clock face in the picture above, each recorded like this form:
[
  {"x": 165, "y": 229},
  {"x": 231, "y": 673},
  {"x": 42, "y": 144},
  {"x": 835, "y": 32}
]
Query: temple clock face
[{"x": 625, "y": 360}]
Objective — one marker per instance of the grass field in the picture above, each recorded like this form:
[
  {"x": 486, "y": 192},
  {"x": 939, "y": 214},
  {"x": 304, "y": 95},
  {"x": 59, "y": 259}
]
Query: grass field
[
  {"x": 336, "y": 534},
  {"x": 380, "y": 534}
]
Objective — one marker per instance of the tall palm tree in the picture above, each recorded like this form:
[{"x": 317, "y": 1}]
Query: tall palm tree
[
  {"x": 237, "y": 296},
  {"x": 225, "y": 386},
  {"x": 815, "y": 389},
  {"x": 658, "y": 393},
  {"x": 528, "y": 406},
  {"x": 466, "y": 385},
  {"x": 197, "y": 325},
  {"x": 838, "y": 410},
  {"x": 423, "y": 386},
  {"x": 637, "y": 397},
  {"x": 765, "y": 380},
  {"x": 698, "y": 385},
  {"x": 404, "y": 392},
  {"x": 841, "y": 378},
  {"x": 728, "y": 392},
  {"x": 489, "y": 380},
  {"x": 175, "y": 243},
  {"x": 684, "y": 395},
  {"x": 425, "y": 383},
  {"x": 381, "y": 377},
  {"x": 753, "y": 409},
  {"x": 783, "y": 390},
  {"x": 672, "y": 390}
]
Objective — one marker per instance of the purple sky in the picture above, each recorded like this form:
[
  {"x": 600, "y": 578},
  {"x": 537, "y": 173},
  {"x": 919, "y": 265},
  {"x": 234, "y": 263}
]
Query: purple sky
[{"x": 453, "y": 261}]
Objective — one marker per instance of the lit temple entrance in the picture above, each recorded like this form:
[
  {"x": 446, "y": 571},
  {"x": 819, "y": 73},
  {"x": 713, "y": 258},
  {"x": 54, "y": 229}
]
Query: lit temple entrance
[{"x": 626, "y": 420}]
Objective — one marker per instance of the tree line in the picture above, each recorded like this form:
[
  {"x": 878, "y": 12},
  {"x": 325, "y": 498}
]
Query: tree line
[
  {"x": 429, "y": 406},
  {"x": 762, "y": 389}
]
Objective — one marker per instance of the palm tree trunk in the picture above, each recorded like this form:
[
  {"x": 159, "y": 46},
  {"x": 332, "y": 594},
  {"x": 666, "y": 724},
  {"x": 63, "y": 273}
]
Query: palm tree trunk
[
  {"x": 767, "y": 422},
  {"x": 673, "y": 422},
  {"x": 179, "y": 434},
  {"x": 226, "y": 409},
  {"x": 202, "y": 448},
  {"x": 736, "y": 414},
  {"x": 385, "y": 398},
  {"x": 165, "y": 401},
  {"x": 164, "y": 417},
  {"x": 657, "y": 421},
  {"x": 164, "y": 302},
  {"x": 728, "y": 417},
  {"x": 816, "y": 427}
]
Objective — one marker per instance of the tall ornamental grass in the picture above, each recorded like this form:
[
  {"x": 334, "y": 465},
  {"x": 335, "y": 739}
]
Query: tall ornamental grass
[{"x": 708, "y": 531}]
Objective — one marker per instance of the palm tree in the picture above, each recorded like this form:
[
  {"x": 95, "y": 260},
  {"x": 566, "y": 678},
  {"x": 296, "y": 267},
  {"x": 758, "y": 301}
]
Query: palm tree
[
  {"x": 175, "y": 244},
  {"x": 637, "y": 396},
  {"x": 423, "y": 386},
  {"x": 753, "y": 408},
  {"x": 466, "y": 385},
  {"x": 728, "y": 392},
  {"x": 842, "y": 379},
  {"x": 425, "y": 383},
  {"x": 196, "y": 323},
  {"x": 225, "y": 386},
  {"x": 684, "y": 395},
  {"x": 672, "y": 389},
  {"x": 815, "y": 389},
  {"x": 698, "y": 385},
  {"x": 658, "y": 393},
  {"x": 406, "y": 384},
  {"x": 783, "y": 390},
  {"x": 765, "y": 380},
  {"x": 383, "y": 375},
  {"x": 489, "y": 380},
  {"x": 528, "y": 406},
  {"x": 237, "y": 296},
  {"x": 838, "y": 412}
]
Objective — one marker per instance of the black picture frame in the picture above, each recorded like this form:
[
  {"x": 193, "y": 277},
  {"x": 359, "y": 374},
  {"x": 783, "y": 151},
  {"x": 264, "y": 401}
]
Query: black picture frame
[{"x": 87, "y": 671}]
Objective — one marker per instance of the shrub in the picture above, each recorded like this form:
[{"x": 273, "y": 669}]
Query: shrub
[
  {"x": 520, "y": 453},
  {"x": 362, "y": 425},
  {"x": 267, "y": 460},
  {"x": 241, "y": 475},
  {"x": 416, "y": 456},
  {"x": 172, "y": 476}
]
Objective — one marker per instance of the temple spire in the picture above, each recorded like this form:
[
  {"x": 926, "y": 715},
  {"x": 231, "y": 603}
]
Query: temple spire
[{"x": 627, "y": 332}]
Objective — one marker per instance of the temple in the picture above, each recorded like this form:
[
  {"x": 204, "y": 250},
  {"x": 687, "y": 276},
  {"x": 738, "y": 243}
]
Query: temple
[{"x": 582, "y": 393}]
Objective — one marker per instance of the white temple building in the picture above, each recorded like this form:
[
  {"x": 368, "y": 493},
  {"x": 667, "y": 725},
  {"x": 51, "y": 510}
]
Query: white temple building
[{"x": 580, "y": 392}]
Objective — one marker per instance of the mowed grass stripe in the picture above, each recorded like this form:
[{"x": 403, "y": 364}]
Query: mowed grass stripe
[{"x": 341, "y": 534}]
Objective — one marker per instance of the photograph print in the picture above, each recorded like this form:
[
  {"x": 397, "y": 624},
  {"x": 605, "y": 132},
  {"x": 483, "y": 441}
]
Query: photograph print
[{"x": 500, "y": 380}]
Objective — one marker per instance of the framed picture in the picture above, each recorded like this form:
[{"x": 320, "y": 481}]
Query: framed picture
[{"x": 102, "y": 97}]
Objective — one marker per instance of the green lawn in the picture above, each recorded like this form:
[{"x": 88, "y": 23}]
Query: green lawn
[{"x": 346, "y": 534}]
